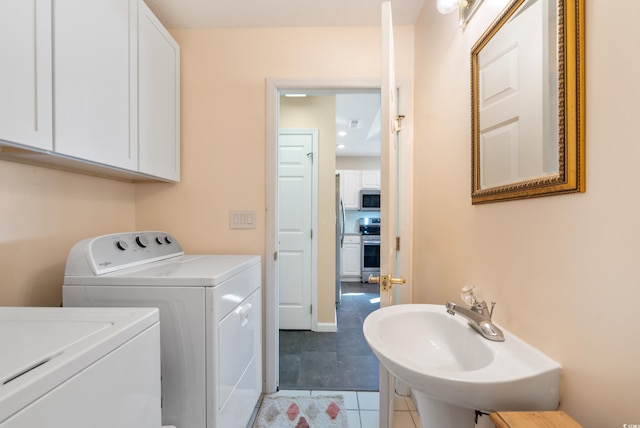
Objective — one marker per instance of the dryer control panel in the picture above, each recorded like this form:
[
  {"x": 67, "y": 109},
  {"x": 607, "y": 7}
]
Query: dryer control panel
[{"x": 110, "y": 253}]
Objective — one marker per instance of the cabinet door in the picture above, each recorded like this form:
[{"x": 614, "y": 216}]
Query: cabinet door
[
  {"x": 159, "y": 98},
  {"x": 350, "y": 189},
  {"x": 351, "y": 260},
  {"x": 370, "y": 179},
  {"x": 25, "y": 73},
  {"x": 94, "y": 81}
]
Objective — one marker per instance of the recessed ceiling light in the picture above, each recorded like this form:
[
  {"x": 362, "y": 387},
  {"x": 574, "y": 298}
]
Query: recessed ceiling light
[
  {"x": 342, "y": 133},
  {"x": 340, "y": 146}
]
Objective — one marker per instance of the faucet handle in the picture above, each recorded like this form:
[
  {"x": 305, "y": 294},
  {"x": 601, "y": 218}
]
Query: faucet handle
[
  {"x": 471, "y": 295},
  {"x": 493, "y": 304}
]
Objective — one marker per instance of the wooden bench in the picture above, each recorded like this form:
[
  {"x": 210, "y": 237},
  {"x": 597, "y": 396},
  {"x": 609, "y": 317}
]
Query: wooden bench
[{"x": 533, "y": 420}]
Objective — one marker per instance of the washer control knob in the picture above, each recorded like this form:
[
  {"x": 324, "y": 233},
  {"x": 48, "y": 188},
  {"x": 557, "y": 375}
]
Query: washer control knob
[
  {"x": 142, "y": 241},
  {"x": 168, "y": 239},
  {"x": 122, "y": 245},
  {"x": 159, "y": 240}
]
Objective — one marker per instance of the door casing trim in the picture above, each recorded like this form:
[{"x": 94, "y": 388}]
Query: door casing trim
[{"x": 273, "y": 87}]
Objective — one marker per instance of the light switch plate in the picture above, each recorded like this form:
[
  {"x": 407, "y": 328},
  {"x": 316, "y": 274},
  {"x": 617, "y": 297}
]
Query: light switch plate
[{"x": 242, "y": 219}]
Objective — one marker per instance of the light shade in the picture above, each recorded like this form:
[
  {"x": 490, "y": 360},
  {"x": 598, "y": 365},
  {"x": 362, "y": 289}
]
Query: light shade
[{"x": 447, "y": 6}]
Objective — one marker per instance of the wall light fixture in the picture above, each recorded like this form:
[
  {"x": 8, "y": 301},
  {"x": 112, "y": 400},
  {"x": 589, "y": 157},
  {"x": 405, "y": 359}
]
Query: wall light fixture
[{"x": 466, "y": 8}]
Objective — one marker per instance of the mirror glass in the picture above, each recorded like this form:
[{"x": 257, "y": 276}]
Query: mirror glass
[{"x": 527, "y": 103}]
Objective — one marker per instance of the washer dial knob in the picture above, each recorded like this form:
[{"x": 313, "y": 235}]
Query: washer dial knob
[
  {"x": 122, "y": 245},
  {"x": 142, "y": 241}
]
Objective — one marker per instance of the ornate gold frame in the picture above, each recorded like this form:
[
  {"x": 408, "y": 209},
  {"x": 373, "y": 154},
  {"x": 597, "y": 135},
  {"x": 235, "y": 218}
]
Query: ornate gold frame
[{"x": 571, "y": 172}]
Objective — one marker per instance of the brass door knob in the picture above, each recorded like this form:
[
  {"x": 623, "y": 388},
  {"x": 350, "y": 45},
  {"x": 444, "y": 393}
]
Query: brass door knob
[{"x": 386, "y": 281}]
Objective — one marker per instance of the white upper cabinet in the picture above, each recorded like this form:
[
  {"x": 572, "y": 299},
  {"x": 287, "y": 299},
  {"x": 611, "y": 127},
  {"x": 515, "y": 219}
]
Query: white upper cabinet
[
  {"x": 90, "y": 86},
  {"x": 350, "y": 189},
  {"x": 95, "y": 90},
  {"x": 25, "y": 73},
  {"x": 159, "y": 98},
  {"x": 370, "y": 179},
  {"x": 354, "y": 180}
]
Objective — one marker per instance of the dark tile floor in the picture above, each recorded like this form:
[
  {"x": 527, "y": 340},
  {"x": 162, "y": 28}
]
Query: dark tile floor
[{"x": 333, "y": 361}]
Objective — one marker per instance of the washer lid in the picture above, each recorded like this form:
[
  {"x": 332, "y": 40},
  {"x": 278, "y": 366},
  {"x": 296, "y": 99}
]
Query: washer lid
[
  {"x": 44, "y": 347},
  {"x": 31, "y": 343}
]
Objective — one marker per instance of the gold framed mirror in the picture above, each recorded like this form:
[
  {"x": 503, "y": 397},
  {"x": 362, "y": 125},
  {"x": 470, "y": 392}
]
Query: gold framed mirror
[{"x": 527, "y": 95}]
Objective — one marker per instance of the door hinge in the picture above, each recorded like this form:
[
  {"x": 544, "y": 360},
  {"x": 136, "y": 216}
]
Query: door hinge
[
  {"x": 397, "y": 243},
  {"x": 310, "y": 309},
  {"x": 397, "y": 124},
  {"x": 311, "y": 233},
  {"x": 275, "y": 256}
]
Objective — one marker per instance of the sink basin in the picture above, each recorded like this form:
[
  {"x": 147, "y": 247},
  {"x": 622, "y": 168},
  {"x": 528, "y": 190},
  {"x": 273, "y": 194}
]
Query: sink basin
[{"x": 453, "y": 371}]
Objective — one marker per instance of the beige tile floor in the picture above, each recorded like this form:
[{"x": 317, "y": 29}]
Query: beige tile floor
[{"x": 363, "y": 408}]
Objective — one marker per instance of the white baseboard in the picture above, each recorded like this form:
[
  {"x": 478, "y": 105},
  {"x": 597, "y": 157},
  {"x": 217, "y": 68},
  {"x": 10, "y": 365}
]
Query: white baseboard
[{"x": 327, "y": 327}]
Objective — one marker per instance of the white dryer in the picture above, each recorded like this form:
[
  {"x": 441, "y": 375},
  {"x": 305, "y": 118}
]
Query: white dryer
[
  {"x": 78, "y": 368},
  {"x": 210, "y": 319}
]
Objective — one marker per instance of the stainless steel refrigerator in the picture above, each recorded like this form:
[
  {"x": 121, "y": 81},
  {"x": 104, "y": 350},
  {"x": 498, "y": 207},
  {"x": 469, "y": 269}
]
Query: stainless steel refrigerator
[{"x": 339, "y": 238}]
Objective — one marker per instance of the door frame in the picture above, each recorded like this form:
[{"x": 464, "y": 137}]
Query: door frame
[{"x": 403, "y": 294}]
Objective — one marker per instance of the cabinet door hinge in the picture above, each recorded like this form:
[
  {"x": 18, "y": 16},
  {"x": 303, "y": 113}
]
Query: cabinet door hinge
[
  {"x": 275, "y": 256},
  {"x": 311, "y": 233},
  {"x": 310, "y": 309},
  {"x": 397, "y": 243}
]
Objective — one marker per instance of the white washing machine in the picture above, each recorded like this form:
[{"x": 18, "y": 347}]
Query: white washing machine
[
  {"x": 210, "y": 319},
  {"x": 78, "y": 368}
]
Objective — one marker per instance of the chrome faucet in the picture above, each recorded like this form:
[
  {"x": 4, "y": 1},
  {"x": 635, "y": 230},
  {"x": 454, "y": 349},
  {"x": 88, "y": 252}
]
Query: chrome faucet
[{"x": 479, "y": 315}]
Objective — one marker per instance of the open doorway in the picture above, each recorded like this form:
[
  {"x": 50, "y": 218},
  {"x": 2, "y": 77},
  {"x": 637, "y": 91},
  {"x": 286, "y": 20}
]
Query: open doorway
[
  {"x": 332, "y": 353},
  {"x": 274, "y": 90}
]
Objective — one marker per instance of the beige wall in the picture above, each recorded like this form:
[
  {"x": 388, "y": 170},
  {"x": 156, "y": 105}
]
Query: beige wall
[
  {"x": 319, "y": 112},
  {"x": 43, "y": 212},
  {"x": 563, "y": 269},
  {"x": 224, "y": 122}
]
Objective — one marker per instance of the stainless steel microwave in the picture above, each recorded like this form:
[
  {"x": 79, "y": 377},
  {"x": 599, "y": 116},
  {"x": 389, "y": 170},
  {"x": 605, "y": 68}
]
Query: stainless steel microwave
[{"x": 369, "y": 200}]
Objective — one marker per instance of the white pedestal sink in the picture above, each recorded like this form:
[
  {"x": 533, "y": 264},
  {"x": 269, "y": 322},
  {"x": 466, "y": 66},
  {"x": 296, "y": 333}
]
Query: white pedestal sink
[{"x": 453, "y": 371}]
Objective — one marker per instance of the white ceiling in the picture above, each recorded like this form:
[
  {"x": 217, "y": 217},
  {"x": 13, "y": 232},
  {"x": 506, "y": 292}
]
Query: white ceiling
[
  {"x": 280, "y": 13},
  {"x": 363, "y": 139}
]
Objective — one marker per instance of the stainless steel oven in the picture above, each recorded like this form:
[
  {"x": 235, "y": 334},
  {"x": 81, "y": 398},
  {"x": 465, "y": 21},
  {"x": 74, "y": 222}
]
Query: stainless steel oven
[
  {"x": 370, "y": 251},
  {"x": 370, "y": 256}
]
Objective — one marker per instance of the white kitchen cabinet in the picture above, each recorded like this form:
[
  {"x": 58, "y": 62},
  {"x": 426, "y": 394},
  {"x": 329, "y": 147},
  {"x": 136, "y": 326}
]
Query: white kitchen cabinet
[
  {"x": 25, "y": 73},
  {"x": 159, "y": 98},
  {"x": 88, "y": 87},
  {"x": 95, "y": 101},
  {"x": 370, "y": 179},
  {"x": 351, "y": 259},
  {"x": 350, "y": 189}
]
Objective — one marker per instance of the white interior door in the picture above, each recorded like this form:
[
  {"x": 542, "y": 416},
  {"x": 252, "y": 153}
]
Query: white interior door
[
  {"x": 389, "y": 196},
  {"x": 295, "y": 220},
  {"x": 388, "y": 157}
]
